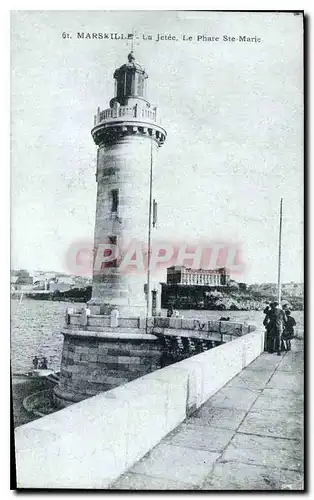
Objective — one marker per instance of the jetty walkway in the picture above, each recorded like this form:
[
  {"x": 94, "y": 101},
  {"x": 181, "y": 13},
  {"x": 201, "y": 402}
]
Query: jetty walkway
[{"x": 248, "y": 436}]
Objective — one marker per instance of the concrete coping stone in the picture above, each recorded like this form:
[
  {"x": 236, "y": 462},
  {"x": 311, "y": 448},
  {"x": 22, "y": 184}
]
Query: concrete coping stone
[
  {"x": 107, "y": 316},
  {"x": 170, "y": 322},
  {"x": 110, "y": 335},
  {"x": 158, "y": 318}
]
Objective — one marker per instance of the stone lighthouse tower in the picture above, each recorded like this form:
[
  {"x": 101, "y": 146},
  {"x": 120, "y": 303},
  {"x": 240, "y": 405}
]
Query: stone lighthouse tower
[
  {"x": 97, "y": 354},
  {"x": 127, "y": 136}
]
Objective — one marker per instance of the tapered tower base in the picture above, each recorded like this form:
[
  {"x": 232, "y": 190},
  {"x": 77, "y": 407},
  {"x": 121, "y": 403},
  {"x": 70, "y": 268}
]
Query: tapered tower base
[{"x": 94, "y": 362}]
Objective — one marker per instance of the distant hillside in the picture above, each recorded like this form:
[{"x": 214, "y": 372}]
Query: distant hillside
[
  {"x": 73, "y": 295},
  {"x": 236, "y": 296},
  {"x": 295, "y": 290}
]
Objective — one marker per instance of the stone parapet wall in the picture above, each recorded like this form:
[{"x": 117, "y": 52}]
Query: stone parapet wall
[
  {"x": 103, "y": 321},
  {"x": 91, "y": 443},
  {"x": 158, "y": 324},
  {"x": 98, "y": 357},
  {"x": 194, "y": 334}
]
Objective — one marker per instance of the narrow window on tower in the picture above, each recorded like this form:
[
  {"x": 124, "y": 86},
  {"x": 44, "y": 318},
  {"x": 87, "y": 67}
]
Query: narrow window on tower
[
  {"x": 140, "y": 85},
  {"x": 114, "y": 200},
  {"x": 113, "y": 241},
  {"x": 128, "y": 83},
  {"x": 120, "y": 90}
]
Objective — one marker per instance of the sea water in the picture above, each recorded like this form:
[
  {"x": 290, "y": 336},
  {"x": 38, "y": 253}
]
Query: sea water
[{"x": 36, "y": 329}]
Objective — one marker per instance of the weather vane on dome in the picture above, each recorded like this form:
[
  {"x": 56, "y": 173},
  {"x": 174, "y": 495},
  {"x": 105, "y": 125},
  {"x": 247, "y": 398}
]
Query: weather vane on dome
[
  {"x": 132, "y": 41},
  {"x": 132, "y": 37}
]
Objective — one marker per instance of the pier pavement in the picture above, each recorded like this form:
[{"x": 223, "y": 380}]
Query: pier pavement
[{"x": 248, "y": 436}]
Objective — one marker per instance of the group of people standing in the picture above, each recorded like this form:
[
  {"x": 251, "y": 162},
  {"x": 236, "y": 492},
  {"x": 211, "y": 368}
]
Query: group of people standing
[
  {"x": 279, "y": 326},
  {"x": 40, "y": 364},
  {"x": 172, "y": 312}
]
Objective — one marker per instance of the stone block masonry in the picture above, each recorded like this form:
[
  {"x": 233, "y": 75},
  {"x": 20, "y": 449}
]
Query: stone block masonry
[
  {"x": 97, "y": 358},
  {"x": 128, "y": 137},
  {"x": 90, "y": 364}
]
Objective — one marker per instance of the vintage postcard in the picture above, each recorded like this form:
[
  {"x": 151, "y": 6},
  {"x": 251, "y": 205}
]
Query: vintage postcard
[{"x": 157, "y": 296}]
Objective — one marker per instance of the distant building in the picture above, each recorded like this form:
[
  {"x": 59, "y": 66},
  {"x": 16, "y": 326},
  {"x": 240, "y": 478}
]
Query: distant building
[
  {"x": 40, "y": 285},
  {"x": 14, "y": 283},
  {"x": 60, "y": 287},
  {"x": 82, "y": 282},
  {"x": 20, "y": 277},
  {"x": 181, "y": 275},
  {"x": 62, "y": 284},
  {"x": 65, "y": 280},
  {"x": 42, "y": 276}
]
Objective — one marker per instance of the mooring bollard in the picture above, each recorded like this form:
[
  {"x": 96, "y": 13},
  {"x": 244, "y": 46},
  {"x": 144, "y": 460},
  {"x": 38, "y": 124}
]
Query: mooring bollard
[
  {"x": 114, "y": 318},
  {"x": 68, "y": 312},
  {"x": 67, "y": 316},
  {"x": 83, "y": 318},
  {"x": 85, "y": 312}
]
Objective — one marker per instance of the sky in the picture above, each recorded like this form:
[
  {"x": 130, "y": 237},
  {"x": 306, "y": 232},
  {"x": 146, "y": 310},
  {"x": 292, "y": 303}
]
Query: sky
[{"x": 233, "y": 112}]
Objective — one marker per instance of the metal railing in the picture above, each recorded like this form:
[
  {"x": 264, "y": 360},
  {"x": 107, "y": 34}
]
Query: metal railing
[{"x": 126, "y": 111}]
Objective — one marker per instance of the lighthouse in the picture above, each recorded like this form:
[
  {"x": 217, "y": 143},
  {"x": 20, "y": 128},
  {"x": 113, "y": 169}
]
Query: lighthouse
[
  {"x": 127, "y": 136},
  {"x": 100, "y": 351}
]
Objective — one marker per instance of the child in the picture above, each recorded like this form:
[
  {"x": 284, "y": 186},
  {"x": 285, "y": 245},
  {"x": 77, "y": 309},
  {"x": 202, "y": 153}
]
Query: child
[
  {"x": 170, "y": 312},
  {"x": 288, "y": 332}
]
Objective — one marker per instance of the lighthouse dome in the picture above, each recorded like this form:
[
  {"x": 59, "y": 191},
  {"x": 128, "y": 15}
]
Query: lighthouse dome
[
  {"x": 130, "y": 80},
  {"x": 131, "y": 64}
]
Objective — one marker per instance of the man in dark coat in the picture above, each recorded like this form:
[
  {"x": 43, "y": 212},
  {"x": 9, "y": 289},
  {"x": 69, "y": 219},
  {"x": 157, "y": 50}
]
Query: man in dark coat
[
  {"x": 268, "y": 340},
  {"x": 35, "y": 362},
  {"x": 276, "y": 323}
]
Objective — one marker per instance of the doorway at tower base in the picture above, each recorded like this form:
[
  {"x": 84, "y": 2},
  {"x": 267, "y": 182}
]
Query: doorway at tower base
[{"x": 102, "y": 308}]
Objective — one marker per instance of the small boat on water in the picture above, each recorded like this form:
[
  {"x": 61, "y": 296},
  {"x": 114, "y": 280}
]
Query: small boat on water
[
  {"x": 40, "y": 370},
  {"x": 49, "y": 374}
]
